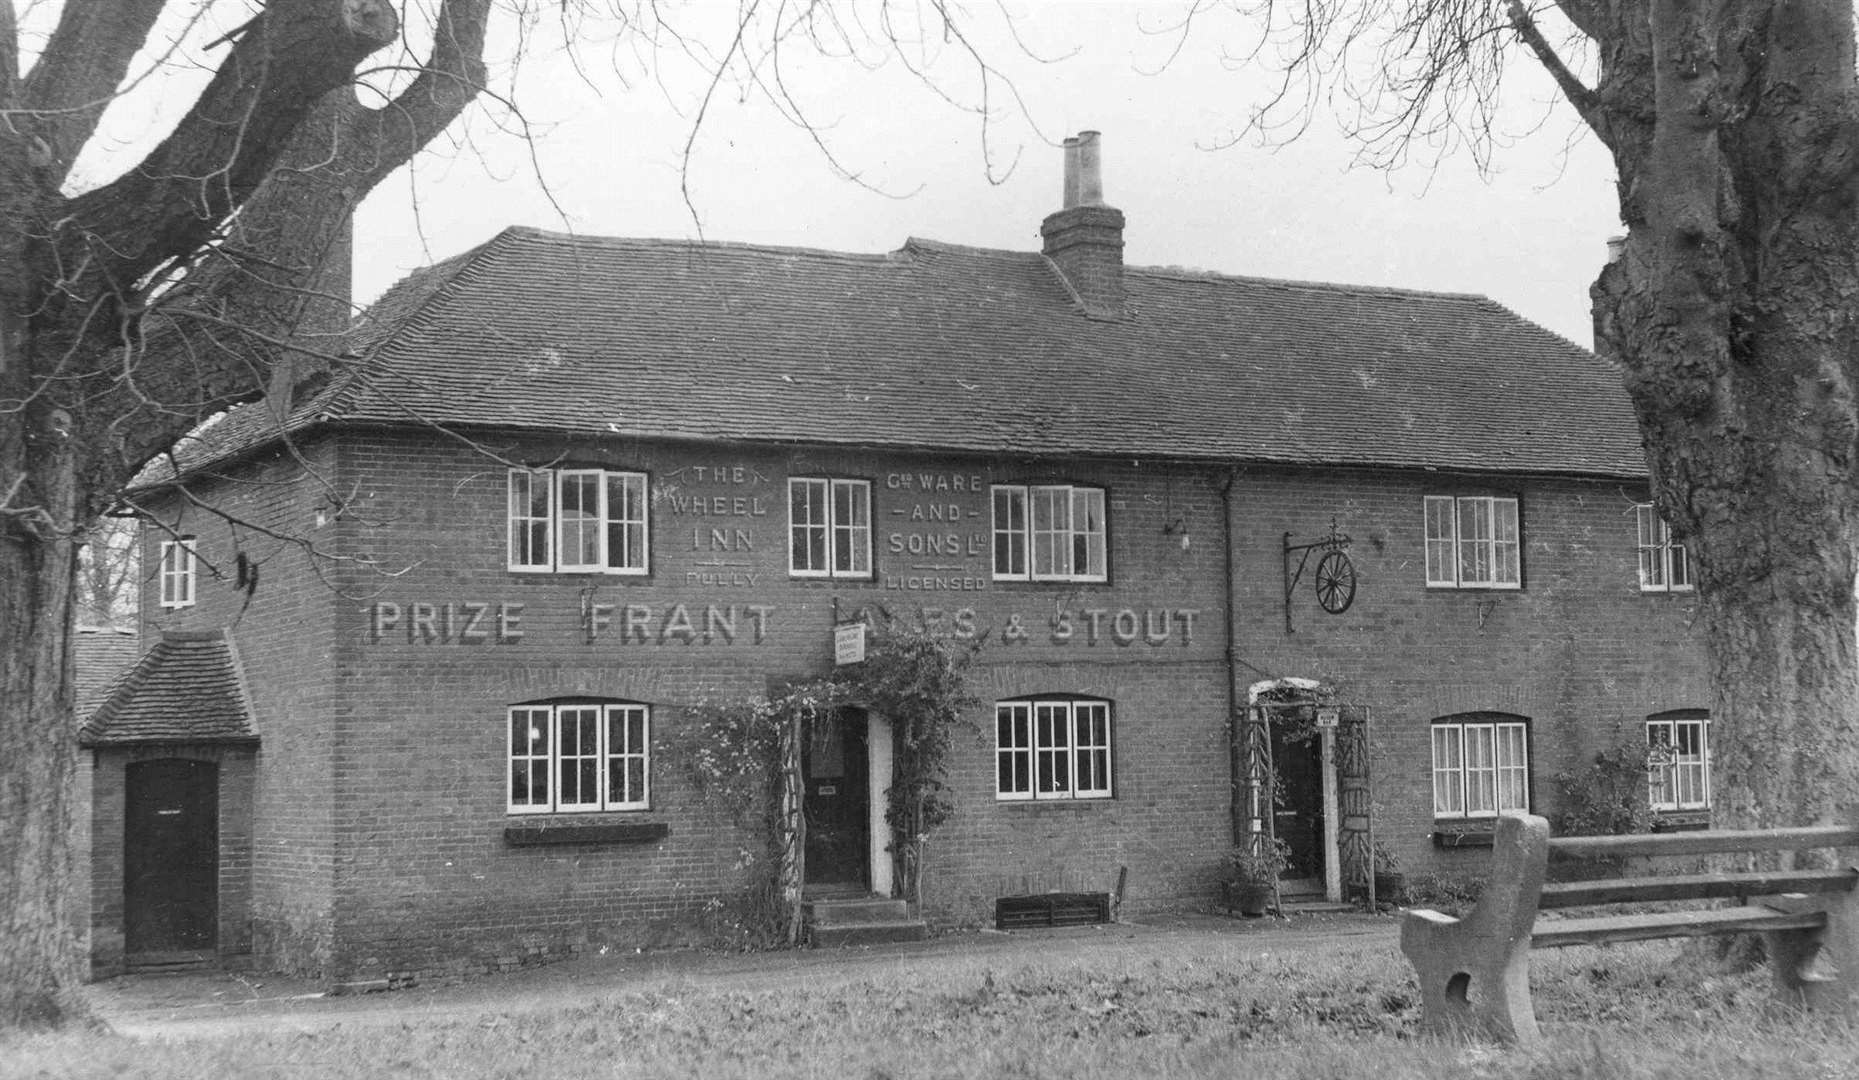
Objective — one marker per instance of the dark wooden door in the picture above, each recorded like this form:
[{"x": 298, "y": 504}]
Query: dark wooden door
[
  {"x": 838, "y": 803},
  {"x": 1298, "y": 809},
  {"x": 170, "y": 856}
]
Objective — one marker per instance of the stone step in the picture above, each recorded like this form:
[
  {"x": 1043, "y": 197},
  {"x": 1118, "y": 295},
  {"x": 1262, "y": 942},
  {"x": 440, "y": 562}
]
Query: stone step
[
  {"x": 872, "y": 933},
  {"x": 1315, "y": 905},
  {"x": 860, "y": 912}
]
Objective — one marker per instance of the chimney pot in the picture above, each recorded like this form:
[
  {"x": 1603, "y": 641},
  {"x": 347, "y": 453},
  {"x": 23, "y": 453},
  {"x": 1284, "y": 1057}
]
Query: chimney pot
[
  {"x": 1090, "y": 170},
  {"x": 1069, "y": 197},
  {"x": 1084, "y": 239}
]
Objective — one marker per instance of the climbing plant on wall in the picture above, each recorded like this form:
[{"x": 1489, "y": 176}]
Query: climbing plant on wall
[
  {"x": 745, "y": 756},
  {"x": 917, "y": 680}
]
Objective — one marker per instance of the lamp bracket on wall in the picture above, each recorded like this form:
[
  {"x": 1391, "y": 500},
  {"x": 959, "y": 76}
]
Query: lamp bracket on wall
[{"x": 1334, "y": 577}]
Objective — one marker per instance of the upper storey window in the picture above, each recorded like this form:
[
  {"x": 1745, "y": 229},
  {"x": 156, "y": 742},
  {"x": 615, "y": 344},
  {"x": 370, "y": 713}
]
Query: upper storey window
[
  {"x": 588, "y": 521},
  {"x": 829, "y": 527},
  {"x": 1049, "y": 532},
  {"x": 1664, "y": 564},
  {"x": 177, "y": 572},
  {"x": 1473, "y": 542}
]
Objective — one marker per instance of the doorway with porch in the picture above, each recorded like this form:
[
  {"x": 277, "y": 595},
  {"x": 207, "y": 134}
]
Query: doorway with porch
[
  {"x": 170, "y": 862},
  {"x": 836, "y": 767},
  {"x": 1302, "y": 775}
]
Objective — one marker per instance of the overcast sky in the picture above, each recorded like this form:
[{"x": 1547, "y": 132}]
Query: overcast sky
[{"x": 606, "y": 159}]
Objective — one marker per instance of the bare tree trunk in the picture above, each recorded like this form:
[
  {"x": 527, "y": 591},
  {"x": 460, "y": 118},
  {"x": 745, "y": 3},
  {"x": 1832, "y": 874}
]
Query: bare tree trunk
[
  {"x": 38, "y": 961},
  {"x": 1732, "y": 314},
  {"x": 130, "y": 313}
]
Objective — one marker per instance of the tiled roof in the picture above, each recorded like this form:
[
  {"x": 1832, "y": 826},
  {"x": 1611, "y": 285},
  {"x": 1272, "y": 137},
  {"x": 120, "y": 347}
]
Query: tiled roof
[
  {"x": 187, "y": 688},
  {"x": 99, "y": 655},
  {"x": 965, "y": 349}
]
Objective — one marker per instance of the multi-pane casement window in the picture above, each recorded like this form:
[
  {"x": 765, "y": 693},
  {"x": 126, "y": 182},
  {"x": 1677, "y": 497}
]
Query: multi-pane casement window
[
  {"x": 576, "y": 757},
  {"x": 1481, "y": 766},
  {"x": 829, "y": 527},
  {"x": 177, "y": 572},
  {"x": 1052, "y": 748},
  {"x": 584, "y": 521},
  {"x": 1049, "y": 532},
  {"x": 1664, "y": 565},
  {"x": 1678, "y": 776},
  {"x": 1473, "y": 542}
]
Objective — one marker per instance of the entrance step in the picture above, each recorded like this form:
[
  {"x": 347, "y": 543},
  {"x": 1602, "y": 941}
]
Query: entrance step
[
  {"x": 157, "y": 962},
  {"x": 866, "y": 920},
  {"x": 1312, "y": 905},
  {"x": 1305, "y": 896}
]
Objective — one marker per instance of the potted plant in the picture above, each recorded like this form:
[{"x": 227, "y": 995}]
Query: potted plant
[
  {"x": 1256, "y": 869},
  {"x": 1390, "y": 880}
]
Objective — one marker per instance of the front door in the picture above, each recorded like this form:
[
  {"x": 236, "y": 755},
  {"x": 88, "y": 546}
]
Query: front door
[
  {"x": 1297, "y": 757},
  {"x": 838, "y": 801},
  {"x": 171, "y": 857}
]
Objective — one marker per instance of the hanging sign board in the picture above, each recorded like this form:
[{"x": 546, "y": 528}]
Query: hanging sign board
[
  {"x": 848, "y": 643},
  {"x": 1329, "y": 718}
]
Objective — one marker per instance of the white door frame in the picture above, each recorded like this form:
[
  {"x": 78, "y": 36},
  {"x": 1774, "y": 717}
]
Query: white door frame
[{"x": 878, "y": 785}]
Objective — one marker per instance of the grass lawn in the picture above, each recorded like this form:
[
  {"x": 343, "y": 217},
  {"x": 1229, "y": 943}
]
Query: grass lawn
[{"x": 1181, "y": 1006}]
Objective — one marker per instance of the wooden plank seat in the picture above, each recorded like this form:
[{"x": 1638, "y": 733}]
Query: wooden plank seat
[{"x": 1475, "y": 972}]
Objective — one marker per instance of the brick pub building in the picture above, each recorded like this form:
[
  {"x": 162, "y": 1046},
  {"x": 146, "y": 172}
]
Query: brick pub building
[{"x": 416, "y": 638}]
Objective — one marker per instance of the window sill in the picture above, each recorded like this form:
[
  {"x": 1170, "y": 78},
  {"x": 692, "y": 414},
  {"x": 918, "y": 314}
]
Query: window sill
[
  {"x": 1462, "y": 834},
  {"x": 566, "y": 833},
  {"x": 1666, "y": 821},
  {"x": 1056, "y": 804}
]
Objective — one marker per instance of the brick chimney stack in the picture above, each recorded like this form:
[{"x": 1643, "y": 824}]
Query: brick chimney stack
[{"x": 1084, "y": 239}]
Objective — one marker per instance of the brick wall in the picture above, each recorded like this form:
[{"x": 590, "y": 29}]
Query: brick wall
[
  {"x": 1579, "y": 650},
  {"x": 382, "y": 683},
  {"x": 283, "y": 630},
  {"x": 425, "y": 878}
]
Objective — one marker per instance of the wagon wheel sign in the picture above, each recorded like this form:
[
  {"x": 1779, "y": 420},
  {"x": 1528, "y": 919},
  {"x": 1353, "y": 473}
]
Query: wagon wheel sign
[
  {"x": 1334, "y": 578},
  {"x": 1336, "y": 582}
]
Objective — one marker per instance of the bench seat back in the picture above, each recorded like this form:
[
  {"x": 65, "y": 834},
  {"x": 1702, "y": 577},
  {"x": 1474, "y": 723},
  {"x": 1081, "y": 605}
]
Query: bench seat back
[
  {"x": 1654, "y": 888},
  {"x": 1705, "y": 842}
]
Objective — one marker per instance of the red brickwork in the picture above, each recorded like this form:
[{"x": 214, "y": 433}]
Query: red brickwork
[
  {"x": 283, "y": 629},
  {"x": 380, "y": 683},
  {"x": 1579, "y": 650}
]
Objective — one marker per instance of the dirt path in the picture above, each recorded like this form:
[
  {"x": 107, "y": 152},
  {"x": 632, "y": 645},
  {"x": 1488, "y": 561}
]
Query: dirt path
[{"x": 219, "y": 1004}]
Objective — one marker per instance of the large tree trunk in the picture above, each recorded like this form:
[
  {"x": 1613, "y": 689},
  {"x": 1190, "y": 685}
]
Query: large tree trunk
[
  {"x": 38, "y": 962},
  {"x": 1732, "y": 313},
  {"x": 129, "y": 314}
]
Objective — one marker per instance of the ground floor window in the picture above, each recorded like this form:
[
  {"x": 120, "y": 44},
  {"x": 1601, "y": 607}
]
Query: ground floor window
[
  {"x": 1481, "y": 765},
  {"x": 579, "y": 756},
  {"x": 1678, "y": 759},
  {"x": 1052, "y": 748}
]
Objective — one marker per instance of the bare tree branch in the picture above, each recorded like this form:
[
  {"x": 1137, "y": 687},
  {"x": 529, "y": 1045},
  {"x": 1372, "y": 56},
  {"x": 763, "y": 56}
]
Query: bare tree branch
[
  {"x": 79, "y": 71},
  {"x": 226, "y": 145}
]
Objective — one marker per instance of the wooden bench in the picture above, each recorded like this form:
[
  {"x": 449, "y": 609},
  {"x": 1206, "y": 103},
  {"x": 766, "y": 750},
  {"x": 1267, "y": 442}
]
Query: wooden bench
[{"x": 1475, "y": 972}]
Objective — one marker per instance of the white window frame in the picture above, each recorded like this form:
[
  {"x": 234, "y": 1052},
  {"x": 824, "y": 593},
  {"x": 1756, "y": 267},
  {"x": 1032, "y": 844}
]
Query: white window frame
[
  {"x": 837, "y": 512},
  {"x": 1686, "y": 783},
  {"x": 1038, "y": 545},
  {"x": 538, "y": 540},
  {"x": 1665, "y": 565},
  {"x": 535, "y": 746},
  {"x": 1053, "y": 748},
  {"x": 1481, "y": 767},
  {"x": 176, "y": 577},
  {"x": 1473, "y": 542}
]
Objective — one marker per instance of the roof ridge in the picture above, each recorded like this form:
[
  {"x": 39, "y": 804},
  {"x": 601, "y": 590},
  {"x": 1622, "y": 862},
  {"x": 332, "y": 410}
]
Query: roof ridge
[
  {"x": 530, "y": 232},
  {"x": 1188, "y": 273}
]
